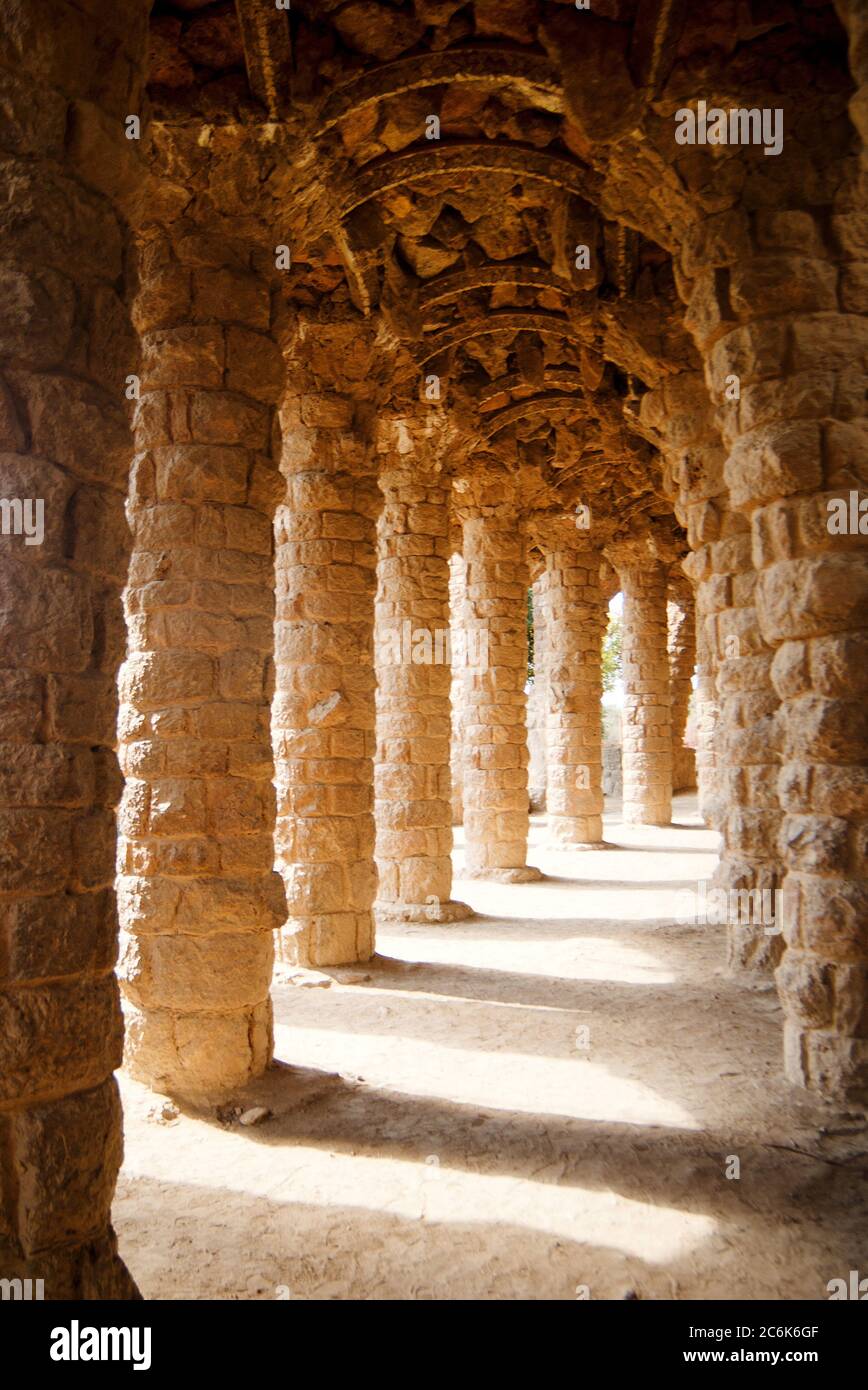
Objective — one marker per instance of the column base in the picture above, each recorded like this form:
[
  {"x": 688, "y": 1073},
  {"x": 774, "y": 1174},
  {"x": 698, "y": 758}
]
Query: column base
[
  {"x": 752, "y": 950},
  {"x": 527, "y": 873},
  {"x": 450, "y": 911},
  {"x": 331, "y": 938},
  {"x": 830, "y": 1064},
  {"x": 574, "y": 832},
  {"x": 198, "y": 1058},
  {"x": 92, "y": 1270}
]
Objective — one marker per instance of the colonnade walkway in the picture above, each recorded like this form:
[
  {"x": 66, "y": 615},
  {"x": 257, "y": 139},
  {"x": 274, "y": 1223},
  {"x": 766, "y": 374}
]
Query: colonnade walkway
[{"x": 442, "y": 1126}]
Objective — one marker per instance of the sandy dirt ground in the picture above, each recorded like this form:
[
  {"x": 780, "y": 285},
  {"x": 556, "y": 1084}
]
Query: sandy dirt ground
[{"x": 542, "y": 1102}]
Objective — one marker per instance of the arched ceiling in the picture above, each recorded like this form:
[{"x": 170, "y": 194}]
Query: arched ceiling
[{"x": 448, "y": 164}]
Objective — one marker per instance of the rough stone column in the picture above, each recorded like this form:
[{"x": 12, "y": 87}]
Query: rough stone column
[
  {"x": 746, "y": 741},
  {"x": 681, "y": 645},
  {"x": 69, "y": 78},
  {"x": 707, "y": 716},
  {"x": 647, "y": 757},
  {"x": 737, "y": 758},
  {"x": 457, "y": 591},
  {"x": 414, "y": 671},
  {"x": 199, "y": 898},
  {"x": 537, "y": 700},
  {"x": 495, "y": 772},
  {"x": 324, "y": 710},
  {"x": 789, "y": 328},
  {"x": 575, "y": 622}
]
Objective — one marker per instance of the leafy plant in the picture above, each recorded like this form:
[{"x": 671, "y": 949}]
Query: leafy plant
[{"x": 611, "y": 657}]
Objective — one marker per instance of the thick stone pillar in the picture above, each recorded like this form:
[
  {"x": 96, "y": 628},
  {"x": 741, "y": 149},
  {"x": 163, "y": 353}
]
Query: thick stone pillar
[
  {"x": 575, "y": 619},
  {"x": 324, "y": 709},
  {"x": 414, "y": 671},
  {"x": 495, "y": 772},
  {"x": 737, "y": 733},
  {"x": 69, "y": 78},
  {"x": 199, "y": 898},
  {"x": 680, "y": 414},
  {"x": 707, "y": 715},
  {"x": 746, "y": 744},
  {"x": 537, "y": 700},
  {"x": 681, "y": 645},
  {"x": 788, "y": 331},
  {"x": 647, "y": 756},
  {"x": 457, "y": 599}
]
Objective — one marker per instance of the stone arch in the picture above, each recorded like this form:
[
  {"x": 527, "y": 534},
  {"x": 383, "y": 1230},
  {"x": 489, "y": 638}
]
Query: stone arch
[{"x": 714, "y": 269}]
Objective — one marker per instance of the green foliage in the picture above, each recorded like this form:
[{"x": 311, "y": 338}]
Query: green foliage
[{"x": 611, "y": 653}]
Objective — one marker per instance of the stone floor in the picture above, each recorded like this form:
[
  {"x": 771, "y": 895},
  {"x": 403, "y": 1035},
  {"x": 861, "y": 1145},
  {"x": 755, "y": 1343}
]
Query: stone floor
[{"x": 444, "y": 1133}]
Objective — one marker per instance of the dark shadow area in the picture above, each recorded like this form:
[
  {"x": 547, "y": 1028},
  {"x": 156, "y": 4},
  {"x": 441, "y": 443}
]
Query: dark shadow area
[
  {"x": 287, "y": 1250},
  {"x": 656, "y": 849},
  {"x": 236, "y": 1240},
  {"x": 546, "y": 1009}
]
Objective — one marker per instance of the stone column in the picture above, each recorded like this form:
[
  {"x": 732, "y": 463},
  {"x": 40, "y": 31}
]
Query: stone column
[
  {"x": 69, "y": 77},
  {"x": 777, "y": 307},
  {"x": 324, "y": 710},
  {"x": 680, "y": 413},
  {"x": 537, "y": 701},
  {"x": 495, "y": 769},
  {"x": 457, "y": 598},
  {"x": 737, "y": 733},
  {"x": 681, "y": 644},
  {"x": 575, "y": 614},
  {"x": 746, "y": 742},
  {"x": 647, "y": 756},
  {"x": 199, "y": 898},
  {"x": 414, "y": 671},
  {"x": 707, "y": 715}
]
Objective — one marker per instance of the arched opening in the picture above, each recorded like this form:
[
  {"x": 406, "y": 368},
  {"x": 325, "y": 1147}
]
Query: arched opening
[{"x": 354, "y": 359}]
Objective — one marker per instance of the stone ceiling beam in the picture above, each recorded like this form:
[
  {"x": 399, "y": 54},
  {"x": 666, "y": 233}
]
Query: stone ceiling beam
[
  {"x": 531, "y": 73},
  {"x": 515, "y": 381},
  {"x": 358, "y": 239},
  {"x": 456, "y": 283},
  {"x": 500, "y": 321},
  {"x": 654, "y": 42},
  {"x": 267, "y": 54},
  {"x": 443, "y": 160},
  {"x": 531, "y": 405}
]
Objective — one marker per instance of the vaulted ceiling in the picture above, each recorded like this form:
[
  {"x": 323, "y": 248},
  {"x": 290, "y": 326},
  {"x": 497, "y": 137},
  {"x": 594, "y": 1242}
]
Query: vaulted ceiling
[{"x": 491, "y": 189}]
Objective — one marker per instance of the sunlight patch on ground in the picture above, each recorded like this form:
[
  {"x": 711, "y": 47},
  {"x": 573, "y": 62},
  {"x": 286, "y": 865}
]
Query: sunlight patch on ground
[
  {"x": 572, "y": 1087},
  {"x": 426, "y": 1190},
  {"x": 568, "y": 958}
]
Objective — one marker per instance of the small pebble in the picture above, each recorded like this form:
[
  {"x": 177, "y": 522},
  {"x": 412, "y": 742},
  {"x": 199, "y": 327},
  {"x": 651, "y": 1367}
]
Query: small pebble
[
  {"x": 308, "y": 979},
  {"x": 255, "y": 1116}
]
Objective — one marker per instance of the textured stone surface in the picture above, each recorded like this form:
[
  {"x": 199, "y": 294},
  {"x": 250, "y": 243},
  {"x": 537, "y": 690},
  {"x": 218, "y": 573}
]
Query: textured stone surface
[
  {"x": 575, "y": 619},
  {"x": 66, "y": 344},
  {"x": 647, "y": 722},
  {"x": 666, "y": 340},
  {"x": 457, "y": 595},
  {"x": 681, "y": 644},
  {"x": 414, "y": 675},
  {"x": 495, "y": 672},
  {"x": 324, "y": 707},
  {"x": 537, "y": 701},
  {"x": 199, "y": 898}
]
